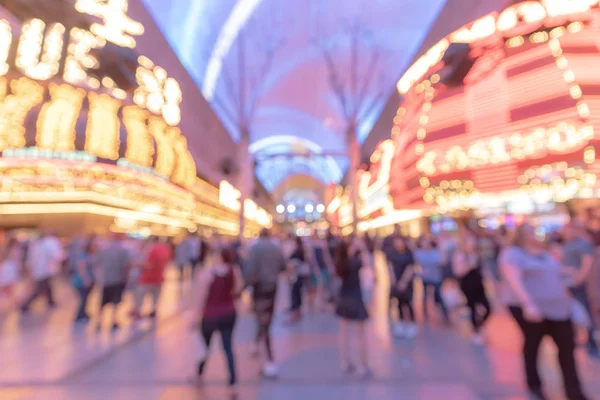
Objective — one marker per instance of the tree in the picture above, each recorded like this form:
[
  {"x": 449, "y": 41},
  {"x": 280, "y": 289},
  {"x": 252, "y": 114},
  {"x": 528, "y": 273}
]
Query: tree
[
  {"x": 352, "y": 80},
  {"x": 244, "y": 74}
]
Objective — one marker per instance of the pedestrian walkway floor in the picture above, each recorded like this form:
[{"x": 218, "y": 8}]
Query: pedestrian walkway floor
[{"x": 43, "y": 357}]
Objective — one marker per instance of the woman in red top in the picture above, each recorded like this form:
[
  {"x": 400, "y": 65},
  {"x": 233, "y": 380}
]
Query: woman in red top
[{"x": 218, "y": 287}]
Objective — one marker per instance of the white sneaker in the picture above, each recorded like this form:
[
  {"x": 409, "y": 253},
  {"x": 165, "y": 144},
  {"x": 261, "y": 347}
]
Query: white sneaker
[
  {"x": 270, "y": 370},
  {"x": 478, "y": 339},
  {"x": 399, "y": 330},
  {"x": 411, "y": 330}
]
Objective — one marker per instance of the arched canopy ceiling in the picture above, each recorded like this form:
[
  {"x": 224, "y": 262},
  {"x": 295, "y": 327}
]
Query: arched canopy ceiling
[{"x": 266, "y": 67}]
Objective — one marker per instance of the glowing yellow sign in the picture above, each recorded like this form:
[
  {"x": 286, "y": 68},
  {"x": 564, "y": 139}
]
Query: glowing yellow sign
[
  {"x": 229, "y": 196},
  {"x": 158, "y": 93},
  {"x": 140, "y": 146},
  {"x": 103, "y": 128},
  {"x": 185, "y": 169},
  {"x": 58, "y": 117},
  {"x": 79, "y": 58},
  {"x": 38, "y": 58},
  {"x": 165, "y": 154},
  {"x": 5, "y": 41},
  {"x": 14, "y": 108},
  {"x": 45, "y": 48},
  {"x": 118, "y": 28},
  {"x": 40, "y": 51}
]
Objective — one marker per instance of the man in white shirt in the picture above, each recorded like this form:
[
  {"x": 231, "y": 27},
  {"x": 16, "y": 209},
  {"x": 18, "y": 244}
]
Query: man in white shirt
[{"x": 43, "y": 261}]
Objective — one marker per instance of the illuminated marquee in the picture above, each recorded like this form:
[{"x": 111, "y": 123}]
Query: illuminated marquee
[
  {"x": 375, "y": 196},
  {"x": 158, "y": 93},
  {"x": 525, "y": 104},
  {"x": 58, "y": 117},
  {"x": 229, "y": 197},
  {"x": 40, "y": 50},
  {"x": 41, "y": 46},
  {"x": 562, "y": 139},
  {"x": 118, "y": 28},
  {"x": 14, "y": 108},
  {"x": 523, "y": 17}
]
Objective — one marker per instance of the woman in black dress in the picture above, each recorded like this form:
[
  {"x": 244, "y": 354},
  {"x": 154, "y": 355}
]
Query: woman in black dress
[{"x": 350, "y": 306}]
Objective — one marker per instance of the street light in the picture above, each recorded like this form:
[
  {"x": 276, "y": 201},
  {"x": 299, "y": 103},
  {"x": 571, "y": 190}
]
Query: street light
[
  {"x": 309, "y": 208},
  {"x": 280, "y": 209},
  {"x": 291, "y": 208},
  {"x": 320, "y": 208}
]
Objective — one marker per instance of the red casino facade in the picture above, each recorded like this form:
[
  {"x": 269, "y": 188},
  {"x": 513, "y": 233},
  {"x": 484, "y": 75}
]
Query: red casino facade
[{"x": 504, "y": 111}]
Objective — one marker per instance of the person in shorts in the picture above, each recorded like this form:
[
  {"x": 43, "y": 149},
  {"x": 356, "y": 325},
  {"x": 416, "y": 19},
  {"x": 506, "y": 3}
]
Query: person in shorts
[
  {"x": 264, "y": 264},
  {"x": 113, "y": 260}
]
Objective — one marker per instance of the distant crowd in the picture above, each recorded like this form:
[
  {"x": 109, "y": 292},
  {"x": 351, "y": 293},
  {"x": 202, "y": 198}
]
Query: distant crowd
[{"x": 548, "y": 283}]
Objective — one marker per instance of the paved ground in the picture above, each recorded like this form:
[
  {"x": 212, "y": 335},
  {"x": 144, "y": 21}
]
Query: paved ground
[{"x": 42, "y": 357}]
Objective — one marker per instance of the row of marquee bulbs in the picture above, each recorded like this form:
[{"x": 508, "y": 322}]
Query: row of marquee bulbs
[
  {"x": 309, "y": 208},
  {"x": 40, "y": 54}
]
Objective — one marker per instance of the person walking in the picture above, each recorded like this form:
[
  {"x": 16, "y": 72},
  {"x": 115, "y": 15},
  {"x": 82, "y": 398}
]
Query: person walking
[
  {"x": 10, "y": 266},
  {"x": 428, "y": 257},
  {"x": 401, "y": 269},
  {"x": 44, "y": 260},
  {"x": 301, "y": 279},
  {"x": 540, "y": 304},
  {"x": 218, "y": 286},
  {"x": 351, "y": 306},
  {"x": 182, "y": 258},
  {"x": 387, "y": 245},
  {"x": 264, "y": 264},
  {"x": 578, "y": 262},
  {"x": 83, "y": 277},
  {"x": 152, "y": 275},
  {"x": 325, "y": 265},
  {"x": 467, "y": 265},
  {"x": 113, "y": 260}
]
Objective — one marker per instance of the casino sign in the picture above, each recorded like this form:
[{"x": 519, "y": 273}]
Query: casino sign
[{"x": 86, "y": 121}]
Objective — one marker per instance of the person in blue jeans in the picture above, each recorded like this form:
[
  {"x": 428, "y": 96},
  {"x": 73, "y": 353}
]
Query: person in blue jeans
[
  {"x": 429, "y": 258},
  {"x": 83, "y": 278},
  {"x": 577, "y": 262}
]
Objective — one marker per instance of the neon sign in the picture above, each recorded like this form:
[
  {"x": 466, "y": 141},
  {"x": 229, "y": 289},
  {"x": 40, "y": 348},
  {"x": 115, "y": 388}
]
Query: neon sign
[
  {"x": 376, "y": 196},
  {"x": 524, "y": 18},
  {"x": 518, "y": 19},
  {"x": 41, "y": 46},
  {"x": 229, "y": 196},
  {"x": 118, "y": 28},
  {"x": 562, "y": 139},
  {"x": 39, "y": 53}
]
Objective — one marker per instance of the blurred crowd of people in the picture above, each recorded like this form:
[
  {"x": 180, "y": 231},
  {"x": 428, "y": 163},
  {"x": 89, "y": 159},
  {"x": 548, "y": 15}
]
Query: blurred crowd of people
[
  {"x": 114, "y": 264},
  {"x": 548, "y": 283}
]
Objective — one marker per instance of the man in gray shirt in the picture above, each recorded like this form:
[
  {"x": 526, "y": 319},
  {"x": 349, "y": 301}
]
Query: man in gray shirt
[
  {"x": 262, "y": 268},
  {"x": 578, "y": 261},
  {"x": 113, "y": 261}
]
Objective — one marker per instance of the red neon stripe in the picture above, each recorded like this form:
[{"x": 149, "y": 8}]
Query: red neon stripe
[
  {"x": 541, "y": 108},
  {"x": 530, "y": 66}
]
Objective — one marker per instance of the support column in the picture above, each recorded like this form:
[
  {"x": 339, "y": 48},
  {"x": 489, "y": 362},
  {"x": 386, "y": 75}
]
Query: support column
[
  {"x": 354, "y": 156},
  {"x": 245, "y": 182}
]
